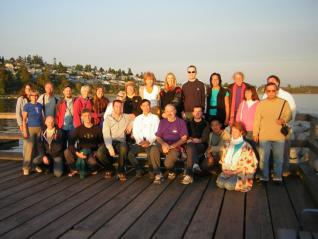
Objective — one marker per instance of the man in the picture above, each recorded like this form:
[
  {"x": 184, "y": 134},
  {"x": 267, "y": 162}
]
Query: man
[
  {"x": 171, "y": 135},
  {"x": 115, "y": 128},
  {"x": 291, "y": 101},
  {"x": 194, "y": 92},
  {"x": 237, "y": 91},
  {"x": 270, "y": 115},
  {"x": 197, "y": 143},
  {"x": 48, "y": 100},
  {"x": 90, "y": 145},
  {"x": 81, "y": 102},
  {"x": 50, "y": 149},
  {"x": 144, "y": 131},
  {"x": 64, "y": 113},
  {"x": 217, "y": 139}
]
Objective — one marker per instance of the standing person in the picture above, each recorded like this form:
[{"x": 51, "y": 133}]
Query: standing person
[
  {"x": 32, "y": 122},
  {"x": 291, "y": 101},
  {"x": 22, "y": 100},
  {"x": 81, "y": 102},
  {"x": 150, "y": 91},
  {"x": 270, "y": 115},
  {"x": 236, "y": 90},
  {"x": 51, "y": 148},
  {"x": 115, "y": 128},
  {"x": 171, "y": 94},
  {"x": 246, "y": 111},
  {"x": 100, "y": 103},
  {"x": 48, "y": 100},
  {"x": 64, "y": 114},
  {"x": 197, "y": 143},
  {"x": 238, "y": 162},
  {"x": 144, "y": 131},
  {"x": 218, "y": 106},
  {"x": 89, "y": 149},
  {"x": 132, "y": 100},
  {"x": 194, "y": 93},
  {"x": 171, "y": 135}
]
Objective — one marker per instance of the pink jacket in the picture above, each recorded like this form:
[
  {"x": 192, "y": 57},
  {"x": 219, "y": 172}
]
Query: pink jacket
[
  {"x": 246, "y": 114},
  {"x": 80, "y": 104}
]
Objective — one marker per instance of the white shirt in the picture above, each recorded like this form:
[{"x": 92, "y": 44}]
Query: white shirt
[
  {"x": 153, "y": 96},
  {"x": 145, "y": 126},
  {"x": 283, "y": 94}
]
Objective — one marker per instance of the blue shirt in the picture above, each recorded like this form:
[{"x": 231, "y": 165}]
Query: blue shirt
[
  {"x": 34, "y": 114},
  {"x": 214, "y": 101}
]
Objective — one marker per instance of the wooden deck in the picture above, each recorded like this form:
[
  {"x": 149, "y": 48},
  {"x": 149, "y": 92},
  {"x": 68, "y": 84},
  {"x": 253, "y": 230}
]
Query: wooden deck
[{"x": 42, "y": 206}]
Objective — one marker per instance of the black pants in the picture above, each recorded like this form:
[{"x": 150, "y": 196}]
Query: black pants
[
  {"x": 134, "y": 150},
  {"x": 195, "y": 153}
]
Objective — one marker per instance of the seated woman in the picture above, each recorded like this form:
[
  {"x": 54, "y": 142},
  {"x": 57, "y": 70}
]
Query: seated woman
[
  {"x": 238, "y": 162},
  {"x": 51, "y": 147}
]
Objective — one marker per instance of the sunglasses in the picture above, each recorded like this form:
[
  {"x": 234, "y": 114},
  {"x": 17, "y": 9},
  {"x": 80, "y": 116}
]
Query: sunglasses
[{"x": 191, "y": 72}]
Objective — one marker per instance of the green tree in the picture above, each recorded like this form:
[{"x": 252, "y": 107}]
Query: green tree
[
  {"x": 61, "y": 68},
  {"x": 23, "y": 75},
  {"x": 88, "y": 68},
  {"x": 101, "y": 69},
  {"x": 79, "y": 67},
  {"x": 130, "y": 73}
]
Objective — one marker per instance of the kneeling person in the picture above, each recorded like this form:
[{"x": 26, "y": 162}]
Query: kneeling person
[
  {"x": 171, "y": 135},
  {"x": 50, "y": 147},
  {"x": 90, "y": 146},
  {"x": 144, "y": 131}
]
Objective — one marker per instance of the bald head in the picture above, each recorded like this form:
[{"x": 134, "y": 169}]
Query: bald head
[
  {"x": 170, "y": 112},
  {"x": 49, "y": 122}
]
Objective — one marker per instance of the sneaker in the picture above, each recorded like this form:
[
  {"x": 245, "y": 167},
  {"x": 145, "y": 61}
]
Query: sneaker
[
  {"x": 108, "y": 175},
  {"x": 158, "y": 179},
  {"x": 38, "y": 170},
  {"x": 122, "y": 177},
  {"x": 94, "y": 172},
  {"x": 187, "y": 180},
  {"x": 196, "y": 168},
  {"x": 277, "y": 180},
  {"x": 171, "y": 175},
  {"x": 26, "y": 172}
]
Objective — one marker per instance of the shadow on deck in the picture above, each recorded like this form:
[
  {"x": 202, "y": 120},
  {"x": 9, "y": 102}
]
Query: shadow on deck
[{"x": 41, "y": 206}]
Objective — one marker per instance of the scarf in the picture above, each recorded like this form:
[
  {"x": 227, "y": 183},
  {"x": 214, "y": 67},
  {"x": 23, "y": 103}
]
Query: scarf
[
  {"x": 232, "y": 156},
  {"x": 234, "y": 98}
]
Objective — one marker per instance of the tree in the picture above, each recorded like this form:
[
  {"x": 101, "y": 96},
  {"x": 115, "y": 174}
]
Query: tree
[
  {"x": 130, "y": 72},
  {"x": 101, "y": 70},
  {"x": 23, "y": 75},
  {"x": 61, "y": 68},
  {"x": 79, "y": 67},
  {"x": 88, "y": 68}
]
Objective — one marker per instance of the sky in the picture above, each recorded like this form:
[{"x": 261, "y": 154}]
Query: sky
[{"x": 256, "y": 37}]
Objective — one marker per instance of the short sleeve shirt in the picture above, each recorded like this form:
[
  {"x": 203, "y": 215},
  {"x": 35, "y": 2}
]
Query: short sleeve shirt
[
  {"x": 34, "y": 114},
  {"x": 171, "y": 132}
]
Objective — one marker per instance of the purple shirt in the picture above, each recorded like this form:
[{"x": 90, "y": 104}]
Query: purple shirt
[
  {"x": 171, "y": 132},
  {"x": 238, "y": 97}
]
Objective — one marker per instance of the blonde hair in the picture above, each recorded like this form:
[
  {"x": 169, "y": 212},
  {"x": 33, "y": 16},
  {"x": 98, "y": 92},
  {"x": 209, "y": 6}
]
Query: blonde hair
[
  {"x": 239, "y": 73},
  {"x": 166, "y": 86},
  {"x": 85, "y": 87},
  {"x": 150, "y": 75}
]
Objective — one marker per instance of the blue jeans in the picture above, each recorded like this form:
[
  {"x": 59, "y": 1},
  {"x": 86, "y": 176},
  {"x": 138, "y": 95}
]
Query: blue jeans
[
  {"x": 55, "y": 163},
  {"x": 265, "y": 148}
]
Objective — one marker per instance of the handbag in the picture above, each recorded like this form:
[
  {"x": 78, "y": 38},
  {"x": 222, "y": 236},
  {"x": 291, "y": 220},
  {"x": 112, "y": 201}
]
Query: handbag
[{"x": 285, "y": 128}]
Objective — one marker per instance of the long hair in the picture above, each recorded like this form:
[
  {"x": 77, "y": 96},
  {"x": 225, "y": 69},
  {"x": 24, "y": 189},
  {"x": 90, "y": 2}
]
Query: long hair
[
  {"x": 166, "y": 86},
  {"x": 22, "y": 91}
]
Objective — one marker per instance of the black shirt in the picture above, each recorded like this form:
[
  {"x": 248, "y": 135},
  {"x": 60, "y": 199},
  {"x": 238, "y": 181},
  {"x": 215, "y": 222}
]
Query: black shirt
[
  {"x": 88, "y": 138},
  {"x": 132, "y": 105},
  {"x": 199, "y": 130}
]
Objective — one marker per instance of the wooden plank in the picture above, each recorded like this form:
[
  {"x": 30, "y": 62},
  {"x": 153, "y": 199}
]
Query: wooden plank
[
  {"x": 232, "y": 216},
  {"x": 283, "y": 233},
  {"x": 26, "y": 186},
  {"x": 122, "y": 221},
  {"x": 40, "y": 186},
  {"x": 180, "y": 216},
  {"x": 301, "y": 200},
  {"x": 204, "y": 221},
  {"x": 282, "y": 213},
  {"x": 20, "y": 219},
  {"x": 12, "y": 176},
  {"x": 7, "y": 115},
  {"x": 310, "y": 179},
  {"x": 16, "y": 181},
  {"x": 76, "y": 215},
  {"x": 156, "y": 213},
  {"x": 15, "y": 156},
  {"x": 10, "y": 171},
  {"x": 4, "y": 163},
  {"x": 98, "y": 218},
  {"x": 10, "y": 136},
  {"x": 257, "y": 214},
  {"x": 10, "y": 166}
]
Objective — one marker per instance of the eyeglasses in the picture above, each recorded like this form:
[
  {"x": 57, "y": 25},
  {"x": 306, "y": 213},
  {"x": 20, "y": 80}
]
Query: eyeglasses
[{"x": 191, "y": 72}]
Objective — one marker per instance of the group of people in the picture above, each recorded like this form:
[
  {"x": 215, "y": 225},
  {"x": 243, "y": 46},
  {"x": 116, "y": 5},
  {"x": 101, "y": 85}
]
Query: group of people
[{"x": 83, "y": 135}]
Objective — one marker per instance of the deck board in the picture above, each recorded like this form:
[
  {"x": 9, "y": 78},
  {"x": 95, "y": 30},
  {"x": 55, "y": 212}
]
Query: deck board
[{"x": 43, "y": 206}]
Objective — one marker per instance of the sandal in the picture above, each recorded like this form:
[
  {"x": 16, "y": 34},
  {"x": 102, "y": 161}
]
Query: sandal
[
  {"x": 72, "y": 173},
  {"x": 122, "y": 177},
  {"x": 108, "y": 175}
]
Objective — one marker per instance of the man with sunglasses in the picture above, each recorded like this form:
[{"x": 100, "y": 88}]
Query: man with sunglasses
[
  {"x": 271, "y": 113},
  {"x": 193, "y": 92}
]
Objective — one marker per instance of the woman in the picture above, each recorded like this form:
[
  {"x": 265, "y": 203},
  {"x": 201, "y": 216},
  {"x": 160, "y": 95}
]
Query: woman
[
  {"x": 23, "y": 99},
  {"x": 246, "y": 110},
  {"x": 150, "y": 91},
  {"x": 132, "y": 100},
  {"x": 82, "y": 102},
  {"x": 218, "y": 106},
  {"x": 238, "y": 162},
  {"x": 100, "y": 103},
  {"x": 32, "y": 122},
  {"x": 170, "y": 94}
]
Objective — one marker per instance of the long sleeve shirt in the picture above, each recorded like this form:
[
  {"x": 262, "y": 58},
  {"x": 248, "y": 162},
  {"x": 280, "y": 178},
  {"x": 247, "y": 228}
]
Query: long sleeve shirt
[
  {"x": 145, "y": 127},
  {"x": 114, "y": 129},
  {"x": 21, "y": 102}
]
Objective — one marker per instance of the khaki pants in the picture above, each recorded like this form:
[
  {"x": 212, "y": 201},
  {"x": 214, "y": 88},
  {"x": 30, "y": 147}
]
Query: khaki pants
[{"x": 30, "y": 145}]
